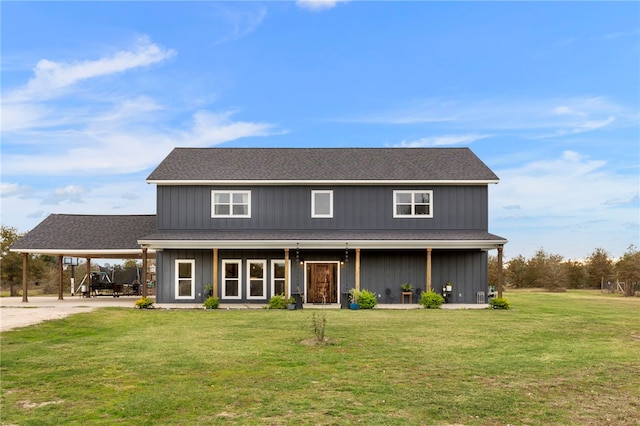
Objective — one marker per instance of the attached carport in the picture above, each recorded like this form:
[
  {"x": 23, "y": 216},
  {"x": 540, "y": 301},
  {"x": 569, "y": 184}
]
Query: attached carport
[{"x": 89, "y": 237}]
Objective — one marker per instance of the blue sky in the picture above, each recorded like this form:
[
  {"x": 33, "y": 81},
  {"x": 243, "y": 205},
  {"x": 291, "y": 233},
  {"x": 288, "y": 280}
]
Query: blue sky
[{"x": 95, "y": 94}]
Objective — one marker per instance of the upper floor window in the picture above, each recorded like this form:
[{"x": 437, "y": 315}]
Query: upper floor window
[
  {"x": 322, "y": 203},
  {"x": 231, "y": 204},
  {"x": 413, "y": 204}
]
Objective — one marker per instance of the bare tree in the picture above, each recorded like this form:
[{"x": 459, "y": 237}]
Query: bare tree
[{"x": 628, "y": 270}]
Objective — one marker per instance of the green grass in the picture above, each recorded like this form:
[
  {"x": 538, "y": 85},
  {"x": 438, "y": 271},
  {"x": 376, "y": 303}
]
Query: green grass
[{"x": 564, "y": 358}]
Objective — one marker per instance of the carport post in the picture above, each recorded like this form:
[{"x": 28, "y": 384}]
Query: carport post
[
  {"x": 60, "y": 278},
  {"x": 500, "y": 276},
  {"x": 88, "y": 280},
  {"x": 144, "y": 272},
  {"x": 25, "y": 275}
]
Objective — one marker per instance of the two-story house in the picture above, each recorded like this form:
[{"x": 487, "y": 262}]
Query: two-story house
[{"x": 252, "y": 223}]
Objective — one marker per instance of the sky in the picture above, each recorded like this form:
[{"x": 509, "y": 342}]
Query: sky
[{"x": 547, "y": 94}]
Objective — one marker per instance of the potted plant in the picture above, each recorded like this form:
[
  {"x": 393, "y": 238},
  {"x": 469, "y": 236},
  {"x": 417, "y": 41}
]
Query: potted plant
[
  {"x": 406, "y": 288},
  {"x": 208, "y": 290},
  {"x": 353, "y": 296},
  {"x": 291, "y": 304}
]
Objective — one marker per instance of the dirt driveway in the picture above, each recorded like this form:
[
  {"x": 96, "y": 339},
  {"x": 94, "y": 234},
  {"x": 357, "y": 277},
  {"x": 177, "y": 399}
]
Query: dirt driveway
[{"x": 14, "y": 313}]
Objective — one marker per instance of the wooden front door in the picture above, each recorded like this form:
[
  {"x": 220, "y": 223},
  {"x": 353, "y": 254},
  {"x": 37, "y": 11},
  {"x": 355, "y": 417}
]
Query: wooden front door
[{"x": 322, "y": 281}]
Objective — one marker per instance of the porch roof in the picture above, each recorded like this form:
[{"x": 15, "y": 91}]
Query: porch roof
[{"x": 327, "y": 239}]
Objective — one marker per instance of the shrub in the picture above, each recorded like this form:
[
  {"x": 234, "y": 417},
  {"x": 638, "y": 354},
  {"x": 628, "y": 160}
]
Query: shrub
[
  {"x": 277, "y": 302},
  {"x": 499, "y": 303},
  {"x": 431, "y": 300},
  {"x": 319, "y": 324},
  {"x": 367, "y": 299},
  {"x": 144, "y": 303},
  {"x": 211, "y": 302}
]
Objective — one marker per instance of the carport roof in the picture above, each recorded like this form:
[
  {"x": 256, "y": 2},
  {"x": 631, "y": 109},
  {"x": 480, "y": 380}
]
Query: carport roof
[{"x": 95, "y": 236}]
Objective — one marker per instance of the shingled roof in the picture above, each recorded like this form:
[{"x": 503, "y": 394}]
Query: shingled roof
[
  {"x": 111, "y": 236},
  {"x": 322, "y": 164}
]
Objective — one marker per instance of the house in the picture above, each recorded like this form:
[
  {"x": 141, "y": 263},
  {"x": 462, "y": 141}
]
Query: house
[{"x": 251, "y": 223}]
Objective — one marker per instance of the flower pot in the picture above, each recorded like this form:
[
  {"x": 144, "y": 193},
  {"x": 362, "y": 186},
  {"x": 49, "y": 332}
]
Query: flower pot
[
  {"x": 291, "y": 307},
  {"x": 354, "y": 306}
]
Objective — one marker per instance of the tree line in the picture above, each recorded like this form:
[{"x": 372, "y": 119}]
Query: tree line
[{"x": 551, "y": 272}]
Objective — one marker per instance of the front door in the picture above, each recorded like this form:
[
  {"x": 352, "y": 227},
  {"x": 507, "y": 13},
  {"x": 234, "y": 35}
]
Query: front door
[{"x": 322, "y": 280}]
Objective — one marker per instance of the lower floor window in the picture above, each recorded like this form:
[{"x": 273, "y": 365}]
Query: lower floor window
[
  {"x": 231, "y": 279},
  {"x": 185, "y": 280},
  {"x": 277, "y": 277},
  {"x": 256, "y": 282}
]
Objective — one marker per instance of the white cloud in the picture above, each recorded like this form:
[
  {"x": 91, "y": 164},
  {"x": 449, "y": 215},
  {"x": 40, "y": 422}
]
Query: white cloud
[
  {"x": 556, "y": 204},
  {"x": 50, "y": 76},
  {"x": 69, "y": 193},
  {"x": 243, "y": 22},
  {"x": 109, "y": 146},
  {"x": 531, "y": 118},
  {"x": 96, "y": 133},
  {"x": 445, "y": 140},
  {"x": 8, "y": 189},
  {"x": 317, "y": 5},
  {"x": 215, "y": 128}
]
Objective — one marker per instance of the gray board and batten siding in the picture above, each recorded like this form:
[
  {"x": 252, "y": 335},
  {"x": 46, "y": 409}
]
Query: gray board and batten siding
[
  {"x": 182, "y": 207},
  {"x": 382, "y": 272}
]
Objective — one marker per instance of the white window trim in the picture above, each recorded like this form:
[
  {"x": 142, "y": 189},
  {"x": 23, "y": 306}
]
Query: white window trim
[
  {"x": 224, "y": 279},
  {"x": 413, "y": 204},
  {"x": 313, "y": 203},
  {"x": 264, "y": 278},
  {"x": 192, "y": 262},
  {"x": 230, "y": 215},
  {"x": 272, "y": 276}
]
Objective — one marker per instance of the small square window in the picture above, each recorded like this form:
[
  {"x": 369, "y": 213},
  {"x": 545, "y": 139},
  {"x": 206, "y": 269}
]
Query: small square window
[{"x": 322, "y": 204}]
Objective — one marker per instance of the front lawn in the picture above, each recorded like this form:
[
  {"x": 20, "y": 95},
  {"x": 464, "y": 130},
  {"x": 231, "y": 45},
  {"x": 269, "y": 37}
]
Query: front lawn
[{"x": 563, "y": 358}]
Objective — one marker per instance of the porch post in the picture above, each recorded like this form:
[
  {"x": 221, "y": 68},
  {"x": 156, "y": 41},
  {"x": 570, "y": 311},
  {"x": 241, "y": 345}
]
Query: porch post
[
  {"x": 215, "y": 272},
  {"x": 60, "y": 278},
  {"x": 25, "y": 275},
  {"x": 429, "y": 269},
  {"x": 286, "y": 273},
  {"x": 500, "y": 276},
  {"x": 357, "y": 269},
  {"x": 143, "y": 278}
]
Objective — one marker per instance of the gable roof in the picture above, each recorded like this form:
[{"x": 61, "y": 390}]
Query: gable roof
[
  {"x": 106, "y": 236},
  {"x": 331, "y": 165}
]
